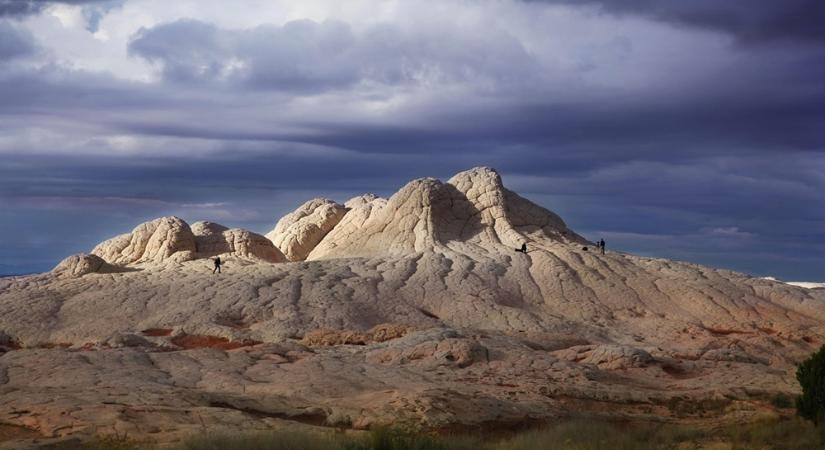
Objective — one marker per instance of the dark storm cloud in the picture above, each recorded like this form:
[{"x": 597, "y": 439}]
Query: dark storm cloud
[
  {"x": 766, "y": 99},
  {"x": 307, "y": 56},
  {"x": 14, "y": 43},
  {"x": 20, "y": 8},
  {"x": 751, "y": 21}
]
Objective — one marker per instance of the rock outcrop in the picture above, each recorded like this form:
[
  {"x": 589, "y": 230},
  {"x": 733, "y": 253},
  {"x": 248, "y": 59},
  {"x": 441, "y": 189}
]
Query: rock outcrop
[
  {"x": 607, "y": 356},
  {"x": 361, "y": 208},
  {"x": 212, "y": 239},
  {"x": 155, "y": 241},
  {"x": 79, "y": 265},
  {"x": 414, "y": 309},
  {"x": 471, "y": 213},
  {"x": 205, "y": 228},
  {"x": 297, "y": 233}
]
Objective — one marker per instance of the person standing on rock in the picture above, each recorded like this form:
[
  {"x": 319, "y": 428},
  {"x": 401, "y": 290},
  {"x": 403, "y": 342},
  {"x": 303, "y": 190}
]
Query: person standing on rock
[
  {"x": 523, "y": 248},
  {"x": 601, "y": 245},
  {"x": 217, "y": 265}
]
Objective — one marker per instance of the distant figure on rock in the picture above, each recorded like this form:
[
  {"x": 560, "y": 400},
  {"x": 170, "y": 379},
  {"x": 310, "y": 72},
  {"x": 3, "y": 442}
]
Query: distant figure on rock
[
  {"x": 523, "y": 248},
  {"x": 217, "y": 265},
  {"x": 601, "y": 245}
]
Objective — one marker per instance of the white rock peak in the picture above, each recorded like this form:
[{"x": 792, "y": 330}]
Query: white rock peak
[{"x": 471, "y": 213}]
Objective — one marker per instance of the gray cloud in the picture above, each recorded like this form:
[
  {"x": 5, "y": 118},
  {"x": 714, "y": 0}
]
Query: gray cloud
[
  {"x": 20, "y": 8},
  {"x": 14, "y": 42},
  {"x": 93, "y": 10},
  {"x": 751, "y": 21},
  {"x": 17, "y": 8},
  {"x": 307, "y": 56}
]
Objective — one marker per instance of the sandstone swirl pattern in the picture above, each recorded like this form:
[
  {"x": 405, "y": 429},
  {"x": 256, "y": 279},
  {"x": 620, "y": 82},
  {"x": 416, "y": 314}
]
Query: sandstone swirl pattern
[{"x": 148, "y": 341}]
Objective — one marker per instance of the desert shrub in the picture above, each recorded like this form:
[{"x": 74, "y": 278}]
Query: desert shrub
[
  {"x": 794, "y": 434},
  {"x": 769, "y": 434},
  {"x": 380, "y": 438},
  {"x": 390, "y": 438},
  {"x": 811, "y": 376},
  {"x": 589, "y": 435},
  {"x": 782, "y": 401},
  {"x": 108, "y": 442},
  {"x": 276, "y": 440}
]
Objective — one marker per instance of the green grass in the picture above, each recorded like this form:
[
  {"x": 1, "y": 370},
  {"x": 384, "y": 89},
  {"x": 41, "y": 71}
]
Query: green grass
[{"x": 792, "y": 434}]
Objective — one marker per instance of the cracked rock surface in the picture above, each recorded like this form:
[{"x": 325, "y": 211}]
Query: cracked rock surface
[{"x": 413, "y": 309}]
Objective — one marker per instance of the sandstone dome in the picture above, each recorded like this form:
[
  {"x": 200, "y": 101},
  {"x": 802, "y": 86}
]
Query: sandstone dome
[
  {"x": 297, "y": 233},
  {"x": 152, "y": 241},
  {"x": 205, "y": 228},
  {"x": 472, "y": 212},
  {"x": 213, "y": 239},
  {"x": 79, "y": 265}
]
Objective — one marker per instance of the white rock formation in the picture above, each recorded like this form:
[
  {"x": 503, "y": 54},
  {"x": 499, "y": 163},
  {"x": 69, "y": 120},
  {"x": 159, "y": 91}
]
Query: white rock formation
[
  {"x": 360, "y": 200},
  {"x": 252, "y": 245},
  {"x": 480, "y": 333},
  {"x": 79, "y": 265},
  {"x": 361, "y": 208},
  {"x": 212, "y": 239},
  {"x": 297, "y": 233},
  {"x": 471, "y": 213},
  {"x": 153, "y": 241},
  {"x": 204, "y": 228},
  {"x": 807, "y": 284}
]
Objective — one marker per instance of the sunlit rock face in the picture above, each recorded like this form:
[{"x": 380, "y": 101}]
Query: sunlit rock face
[
  {"x": 297, "y": 233},
  {"x": 149, "y": 242}
]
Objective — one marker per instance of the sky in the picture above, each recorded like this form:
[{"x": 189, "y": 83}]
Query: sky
[{"x": 686, "y": 130}]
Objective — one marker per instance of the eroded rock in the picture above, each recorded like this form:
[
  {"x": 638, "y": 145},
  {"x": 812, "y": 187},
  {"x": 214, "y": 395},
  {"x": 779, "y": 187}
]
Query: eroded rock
[
  {"x": 297, "y": 233},
  {"x": 79, "y": 265},
  {"x": 155, "y": 241},
  {"x": 212, "y": 239},
  {"x": 609, "y": 357}
]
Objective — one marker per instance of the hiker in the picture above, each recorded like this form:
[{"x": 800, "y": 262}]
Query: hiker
[
  {"x": 601, "y": 245},
  {"x": 217, "y": 265},
  {"x": 524, "y": 248}
]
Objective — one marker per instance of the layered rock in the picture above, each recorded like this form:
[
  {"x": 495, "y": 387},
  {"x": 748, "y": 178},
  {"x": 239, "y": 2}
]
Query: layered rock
[
  {"x": 154, "y": 241},
  {"x": 297, "y": 233},
  {"x": 607, "y": 356},
  {"x": 212, "y": 239},
  {"x": 471, "y": 213}
]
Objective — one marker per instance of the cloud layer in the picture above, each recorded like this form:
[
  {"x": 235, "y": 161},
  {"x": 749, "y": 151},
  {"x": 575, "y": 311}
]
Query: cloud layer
[{"x": 686, "y": 130}]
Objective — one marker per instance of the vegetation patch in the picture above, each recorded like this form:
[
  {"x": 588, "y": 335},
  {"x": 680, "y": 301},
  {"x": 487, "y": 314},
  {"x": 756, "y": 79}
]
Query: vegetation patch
[{"x": 788, "y": 434}]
